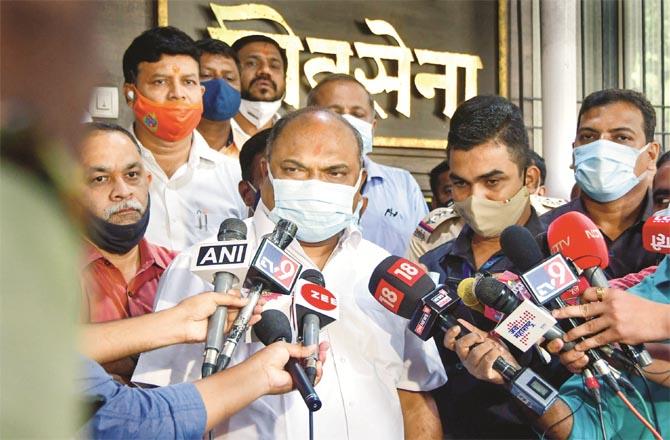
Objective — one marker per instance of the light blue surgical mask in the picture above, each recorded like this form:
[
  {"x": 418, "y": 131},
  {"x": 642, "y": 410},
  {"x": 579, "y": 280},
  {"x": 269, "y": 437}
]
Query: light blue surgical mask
[
  {"x": 605, "y": 170},
  {"x": 319, "y": 209},
  {"x": 364, "y": 129}
]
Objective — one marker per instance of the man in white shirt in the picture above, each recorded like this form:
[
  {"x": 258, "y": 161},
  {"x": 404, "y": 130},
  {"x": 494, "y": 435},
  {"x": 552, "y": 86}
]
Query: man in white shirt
[
  {"x": 395, "y": 202},
  {"x": 376, "y": 380},
  {"x": 194, "y": 188},
  {"x": 263, "y": 79}
]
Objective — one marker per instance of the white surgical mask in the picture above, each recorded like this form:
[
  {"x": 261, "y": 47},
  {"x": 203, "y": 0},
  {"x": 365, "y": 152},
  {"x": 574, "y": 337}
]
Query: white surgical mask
[
  {"x": 319, "y": 209},
  {"x": 605, "y": 170},
  {"x": 364, "y": 129},
  {"x": 259, "y": 113}
]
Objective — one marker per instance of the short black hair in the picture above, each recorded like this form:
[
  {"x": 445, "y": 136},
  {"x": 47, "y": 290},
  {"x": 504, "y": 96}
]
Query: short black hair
[
  {"x": 257, "y": 38},
  {"x": 217, "y": 47},
  {"x": 538, "y": 161},
  {"x": 311, "y": 97},
  {"x": 91, "y": 127},
  {"x": 281, "y": 124},
  {"x": 665, "y": 157},
  {"x": 150, "y": 45},
  {"x": 490, "y": 118},
  {"x": 434, "y": 175},
  {"x": 610, "y": 96},
  {"x": 253, "y": 147}
]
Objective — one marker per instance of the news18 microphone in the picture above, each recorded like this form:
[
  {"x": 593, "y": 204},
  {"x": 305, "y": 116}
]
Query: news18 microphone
[
  {"x": 224, "y": 263},
  {"x": 315, "y": 307},
  {"x": 274, "y": 326},
  {"x": 575, "y": 236},
  {"x": 271, "y": 269},
  {"x": 406, "y": 290}
]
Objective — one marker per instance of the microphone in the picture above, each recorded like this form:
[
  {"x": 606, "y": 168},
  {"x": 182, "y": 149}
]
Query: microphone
[
  {"x": 315, "y": 308},
  {"x": 576, "y": 236},
  {"x": 466, "y": 293},
  {"x": 271, "y": 269},
  {"x": 406, "y": 290},
  {"x": 656, "y": 232},
  {"x": 274, "y": 326},
  {"x": 519, "y": 245},
  {"x": 524, "y": 327},
  {"x": 224, "y": 263}
]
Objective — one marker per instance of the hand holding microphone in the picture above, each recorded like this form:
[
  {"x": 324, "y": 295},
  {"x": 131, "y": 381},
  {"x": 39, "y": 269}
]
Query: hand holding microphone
[
  {"x": 618, "y": 316},
  {"x": 478, "y": 352}
]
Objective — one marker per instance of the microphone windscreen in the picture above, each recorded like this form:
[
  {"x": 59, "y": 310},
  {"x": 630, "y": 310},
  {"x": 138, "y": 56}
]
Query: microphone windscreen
[
  {"x": 232, "y": 229},
  {"x": 541, "y": 241},
  {"x": 283, "y": 233},
  {"x": 399, "y": 284},
  {"x": 576, "y": 237},
  {"x": 518, "y": 244},
  {"x": 273, "y": 326},
  {"x": 496, "y": 295},
  {"x": 313, "y": 276},
  {"x": 466, "y": 292}
]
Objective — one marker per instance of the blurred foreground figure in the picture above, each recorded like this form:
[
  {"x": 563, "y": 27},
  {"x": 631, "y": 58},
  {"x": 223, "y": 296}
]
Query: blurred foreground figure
[{"x": 39, "y": 280}]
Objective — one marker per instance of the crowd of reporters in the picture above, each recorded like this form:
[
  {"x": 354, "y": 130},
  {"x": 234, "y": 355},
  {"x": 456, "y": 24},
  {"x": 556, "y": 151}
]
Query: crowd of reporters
[{"x": 210, "y": 143}]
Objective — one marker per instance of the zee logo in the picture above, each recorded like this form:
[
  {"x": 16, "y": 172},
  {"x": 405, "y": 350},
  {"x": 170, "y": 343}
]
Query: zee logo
[
  {"x": 405, "y": 271},
  {"x": 278, "y": 266},
  {"x": 549, "y": 279},
  {"x": 318, "y": 296},
  {"x": 388, "y": 296}
]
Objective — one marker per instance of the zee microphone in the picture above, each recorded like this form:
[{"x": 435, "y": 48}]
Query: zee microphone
[
  {"x": 271, "y": 269},
  {"x": 224, "y": 263},
  {"x": 575, "y": 236},
  {"x": 274, "y": 326},
  {"x": 315, "y": 308}
]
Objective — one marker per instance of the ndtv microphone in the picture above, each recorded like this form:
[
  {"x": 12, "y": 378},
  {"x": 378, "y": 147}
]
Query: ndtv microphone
[
  {"x": 577, "y": 237},
  {"x": 224, "y": 263},
  {"x": 315, "y": 308},
  {"x": 656, "y": 232}
]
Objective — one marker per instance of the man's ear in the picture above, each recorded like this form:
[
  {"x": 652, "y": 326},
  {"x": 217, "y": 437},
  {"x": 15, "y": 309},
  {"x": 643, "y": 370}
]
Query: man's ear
[
  {"x": 129, "y": 94},
  {"x": 532, "y": 178},
  {"x": 653, "y": 152},
  {"x": 246, "y": 193},
  {"x": 364, "y": 178}
]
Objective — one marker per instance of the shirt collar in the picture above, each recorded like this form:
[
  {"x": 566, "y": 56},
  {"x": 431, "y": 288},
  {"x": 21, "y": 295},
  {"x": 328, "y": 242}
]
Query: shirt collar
[
  {"x": 148, "y": 255},
  {"x": 373, "y": 169}
]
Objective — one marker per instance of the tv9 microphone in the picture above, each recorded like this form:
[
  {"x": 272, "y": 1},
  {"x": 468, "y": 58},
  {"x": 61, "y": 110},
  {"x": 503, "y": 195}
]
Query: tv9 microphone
[
  {"x": 576, "y": 236},
  {"x": 274, "y": 326},
  {"x": 519, "y": 245},
  {"x": 315, "y": 307},
  {"x": 656, "y": 232},
  {"x": 223, "y": 263},
  {"x": 406, "y": 290},
  {"x": 271, "y": 269}
]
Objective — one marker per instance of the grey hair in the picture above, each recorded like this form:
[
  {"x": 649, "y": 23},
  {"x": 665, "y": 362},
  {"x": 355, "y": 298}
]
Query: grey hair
[{"x": 281, "y": 124}]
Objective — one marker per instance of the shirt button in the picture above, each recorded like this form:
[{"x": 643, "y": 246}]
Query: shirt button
[
  {"x": 459, "y": 366},
  {"x": 107, "y": 263},
  {"x": 130, "y": 293}
]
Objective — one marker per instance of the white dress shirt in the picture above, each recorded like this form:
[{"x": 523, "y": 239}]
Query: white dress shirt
[
  {"x": 371, "y": 355},
  {"x": 190, "y": 205},
  {"x": 240, "y": 136}
]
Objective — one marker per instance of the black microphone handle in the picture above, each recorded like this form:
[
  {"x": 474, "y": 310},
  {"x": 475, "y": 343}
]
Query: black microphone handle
[
  {"x": 311, "y": 326},
  {"x": 303, "y": 384},
  {"x": 506, "y": 370}
]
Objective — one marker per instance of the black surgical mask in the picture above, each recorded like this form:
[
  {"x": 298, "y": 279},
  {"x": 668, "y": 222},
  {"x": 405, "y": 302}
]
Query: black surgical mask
[{"x": 116, "y": 239}]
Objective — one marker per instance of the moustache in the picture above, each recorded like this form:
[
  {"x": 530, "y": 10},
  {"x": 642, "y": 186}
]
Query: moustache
[
  {"x": 264, "y": 78},
  {"x": 127, "y": 204}
]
